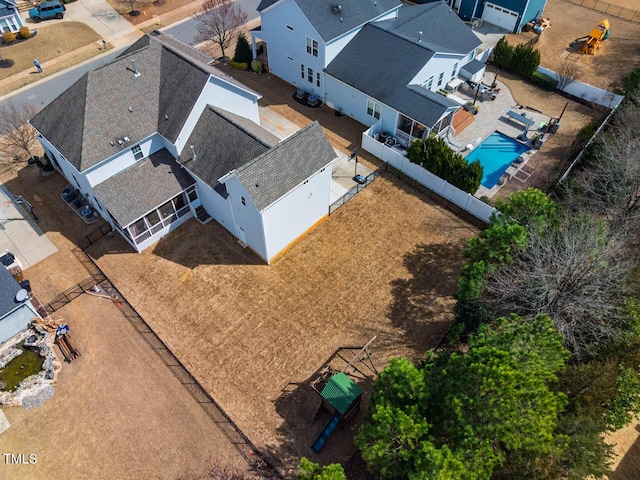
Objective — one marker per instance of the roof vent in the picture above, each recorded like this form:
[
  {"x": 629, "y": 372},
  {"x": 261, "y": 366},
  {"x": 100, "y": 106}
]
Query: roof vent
[
  {"x": 341, "y": 19},
  {"x": 166, "y": 117},
  {"x": 420, "y": 36},
  {"x": 193, "y": 153},
  {"x": 112, "y": 144},
  {"x": 135, "y": 69},
  {"x": 336, "y": 8},
  {"x": 257, "y": 184},
  {"x": 130, "y": 110},
  {"x": 22, "y": 295},
  {"x": 126, "y": 139}
]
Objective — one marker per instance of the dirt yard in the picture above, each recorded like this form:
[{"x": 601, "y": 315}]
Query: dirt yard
[
  {"x": 619, "y": 55},
  {"x": 117, "y": 412},
  {"x": 385, "y": 264}
]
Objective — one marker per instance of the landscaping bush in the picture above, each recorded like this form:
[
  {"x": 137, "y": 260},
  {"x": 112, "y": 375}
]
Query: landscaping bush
[
  {"x": 502, "y": 54},
  {"x": 256, "y": 66},
  {"x": 239, "y": 65},
  {"x": 522, "y": 59},
  {"x": 24, "y": 32},
  {"x": 544, "y": 81},
  {"x": 8, "y": 37},
  {"x": 243, "y": 51},
  {"x": 435, "y": 155},
  {"x": 632, "y": 82}
]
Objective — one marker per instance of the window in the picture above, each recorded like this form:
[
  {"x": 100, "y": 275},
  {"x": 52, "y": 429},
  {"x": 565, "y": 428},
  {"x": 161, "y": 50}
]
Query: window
[
  {"x": 373, "y": 109},
  {"x": 440, "y": 78},
  {"x": 455, "y": 68},
  {"x": 309, "y": 74},
  {"x": 137, "y": 152},
  {"x": 429, "y": 83},
  {"x": 312, "y": 47},
  {"x": 317, "y": 79},
  {"x": 471, "y": 55},
  {"x": 244, "y": 202},
  {"x": 289, "y": 58},
  {"x": 289, "y": 27},
  {"x": 302, "y": 71}
]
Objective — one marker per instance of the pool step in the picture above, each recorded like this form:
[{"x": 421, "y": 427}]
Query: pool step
[{"x": 461, "y": 120}]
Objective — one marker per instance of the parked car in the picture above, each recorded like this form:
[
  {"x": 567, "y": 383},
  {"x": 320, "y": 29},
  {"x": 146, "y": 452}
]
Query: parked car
[{"x": 47, "y": 10}]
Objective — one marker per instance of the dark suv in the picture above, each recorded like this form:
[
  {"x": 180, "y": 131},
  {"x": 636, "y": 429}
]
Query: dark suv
[{"x": 47, "y": 10}]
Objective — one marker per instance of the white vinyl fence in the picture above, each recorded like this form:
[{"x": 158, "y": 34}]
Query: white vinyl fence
[
  {"x": 586, "y": 91},
  {"x": 395, "y": 157}
]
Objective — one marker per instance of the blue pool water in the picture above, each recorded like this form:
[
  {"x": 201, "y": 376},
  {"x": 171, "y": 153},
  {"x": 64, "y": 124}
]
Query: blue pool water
[{"x": 495, "y": 154}]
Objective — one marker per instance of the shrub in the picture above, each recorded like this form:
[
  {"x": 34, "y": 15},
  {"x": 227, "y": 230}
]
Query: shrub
[
  {"x": 8, "y": 37},
  {"x": 256, "y": 66},
  {"x": 544, "y": 81},
  {"x": 502, "y": 54},
  {"x": 243, "y": 51},
  {"x": 525, "y": 60},
  {"x": 240, "y": 65},
  {"x": 24, "y": 32},
  {"x": 435, "y": 155}
]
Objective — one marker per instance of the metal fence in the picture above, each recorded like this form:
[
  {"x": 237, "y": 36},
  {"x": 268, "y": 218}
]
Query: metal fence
[
  {"x": 72, "y": 293},
  {"x": 609, "y": 9},
  {"x": 256, "y": 460},
  {"x": 353, "y": 192},
  {"x": 92, "y": 237}
]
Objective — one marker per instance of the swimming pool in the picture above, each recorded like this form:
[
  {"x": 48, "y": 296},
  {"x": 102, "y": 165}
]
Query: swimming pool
[{"x": 495, "y": 154}]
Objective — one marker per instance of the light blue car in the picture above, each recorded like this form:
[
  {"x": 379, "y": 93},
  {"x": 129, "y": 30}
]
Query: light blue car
[{"x": 47, "y": 10}]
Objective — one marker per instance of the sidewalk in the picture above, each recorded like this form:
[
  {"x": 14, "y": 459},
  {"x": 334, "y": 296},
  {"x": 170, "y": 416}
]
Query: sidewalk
[{"x": 109, "y": 24}]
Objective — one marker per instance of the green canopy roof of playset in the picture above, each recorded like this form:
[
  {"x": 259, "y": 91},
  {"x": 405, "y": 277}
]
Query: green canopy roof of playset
[{"x": 341, "y": 392}]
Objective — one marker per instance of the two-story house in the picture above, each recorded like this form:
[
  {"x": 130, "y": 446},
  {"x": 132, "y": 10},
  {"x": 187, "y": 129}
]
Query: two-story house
[
  {"x": 158, "y": 136},
  {"x": 387, "y": 69}
]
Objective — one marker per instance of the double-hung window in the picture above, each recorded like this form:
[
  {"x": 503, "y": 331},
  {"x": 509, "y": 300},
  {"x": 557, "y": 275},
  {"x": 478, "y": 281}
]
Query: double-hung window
[
  {"x": 429, "y": 83},
  {"x": 309, "y": 74},
  {"x": 455, "y": 68},
  {"x": 302, "y": 71},
  {"x": 312, "y": 46},
  {"x": 373, "y": 109},
  {"x": 440, "y": 78}
]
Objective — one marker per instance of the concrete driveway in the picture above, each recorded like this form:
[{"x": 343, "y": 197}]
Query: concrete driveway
[
  {"x": 100, "y": 16},
  {"x": 19, "y": 234}
]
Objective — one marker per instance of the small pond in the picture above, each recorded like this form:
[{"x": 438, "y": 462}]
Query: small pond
[{"x": 24, "y": 365}]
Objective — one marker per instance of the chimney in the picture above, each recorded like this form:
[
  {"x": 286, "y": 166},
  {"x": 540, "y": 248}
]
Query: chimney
[
  {"x": 135, "y": 69},
  {"x": 420, "y": 36}
]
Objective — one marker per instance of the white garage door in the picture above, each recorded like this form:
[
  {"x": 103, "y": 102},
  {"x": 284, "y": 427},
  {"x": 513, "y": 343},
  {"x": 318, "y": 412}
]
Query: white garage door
[{"x": 499, "y": 16}]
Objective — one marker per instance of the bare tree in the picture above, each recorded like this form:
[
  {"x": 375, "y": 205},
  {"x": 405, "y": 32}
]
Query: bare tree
[
  {"x": 568, "y": 72},
  {"x": 575, "y": 274},
  {"x": 220, "y": 22},
  {"x": 609, "y": 185},
  {"x": 135, "y": 5},
  {"x": 16, "y": 135}
]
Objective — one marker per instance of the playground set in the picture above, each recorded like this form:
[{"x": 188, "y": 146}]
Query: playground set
[
  {"x": 593, "y": 41},
  {"x": 337, "y": 393}
]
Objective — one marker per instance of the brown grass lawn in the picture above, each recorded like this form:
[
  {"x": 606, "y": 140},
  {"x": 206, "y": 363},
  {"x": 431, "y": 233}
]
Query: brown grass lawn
[
  {"x": 117, "y": 413},
  {"x": 50, "y": 42},
  {"x": 385, "y": 264},
  {"x": 148, "y": 9},
  {"x": 619, "y": 55}
]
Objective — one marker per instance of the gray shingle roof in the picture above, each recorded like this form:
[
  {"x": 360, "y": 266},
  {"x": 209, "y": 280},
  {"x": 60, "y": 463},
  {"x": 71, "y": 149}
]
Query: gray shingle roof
[
  {"x": 8, "y": 290},
  {"x": 389, "y": 72},
  {"x": 330, "y": 24},
  {"x": 142, "y": 187},
  {"x": 94, "y": 111},
  {"x": 474, "y": 66},
  {"x": 442, "y": 29},
  {"x": 223, "y": 142},
  {"x": 279, "y": 170}
]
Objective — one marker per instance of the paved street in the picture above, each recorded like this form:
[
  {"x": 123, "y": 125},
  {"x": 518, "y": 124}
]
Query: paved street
[{"x": 186, "y": 30}]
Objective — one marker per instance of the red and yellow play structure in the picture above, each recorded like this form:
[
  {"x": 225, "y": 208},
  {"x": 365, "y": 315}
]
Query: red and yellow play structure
[{"x": 594, "y": 40}]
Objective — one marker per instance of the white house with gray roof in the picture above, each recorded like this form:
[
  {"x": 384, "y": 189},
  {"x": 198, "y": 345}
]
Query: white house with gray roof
[
  {"x": 377, "y": 61},
  {"x": 158, "y": 136}
]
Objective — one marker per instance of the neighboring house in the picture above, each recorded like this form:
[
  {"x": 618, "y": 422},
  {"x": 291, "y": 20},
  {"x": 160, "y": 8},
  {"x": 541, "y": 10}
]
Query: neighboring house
[
  {"x": 16, "y": 310},
  {"x": 10, "y": 20},
  {"x": 374, "y": 60},
  {"x": 158, "y": 136},
  {"x": 511, "y": 15}
]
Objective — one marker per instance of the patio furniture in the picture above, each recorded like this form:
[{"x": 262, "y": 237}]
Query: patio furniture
[{"x": 521, "y": 117}]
